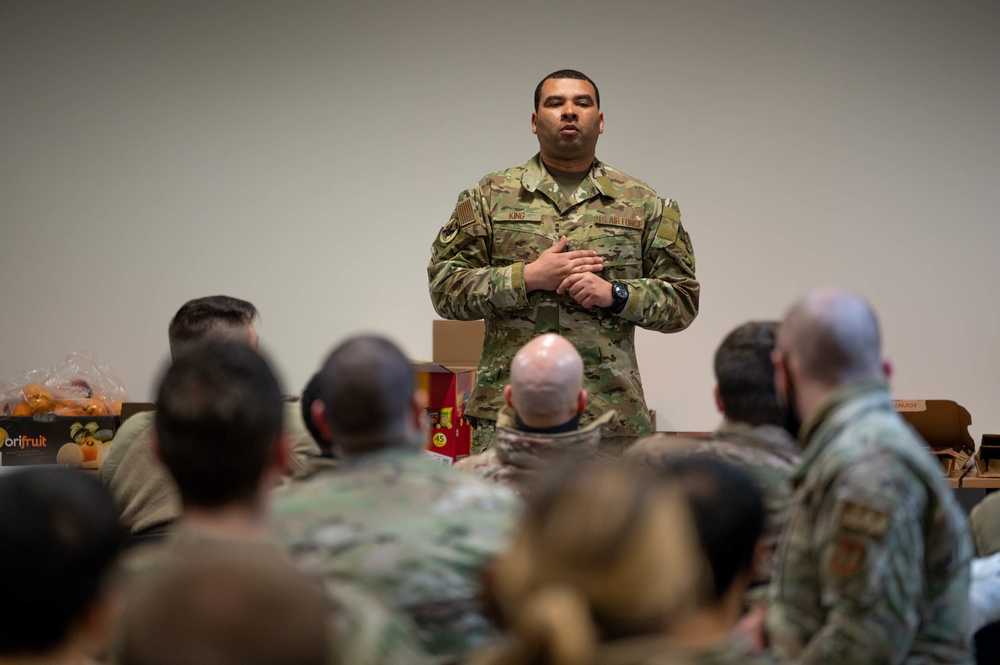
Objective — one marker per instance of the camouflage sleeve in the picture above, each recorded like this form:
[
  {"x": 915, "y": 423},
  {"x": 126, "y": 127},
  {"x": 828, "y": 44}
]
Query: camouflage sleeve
[
  {"x": 869, "y": 538},
  {"x": 665, "y": 299},
  {"x": 463, "y": 283}
]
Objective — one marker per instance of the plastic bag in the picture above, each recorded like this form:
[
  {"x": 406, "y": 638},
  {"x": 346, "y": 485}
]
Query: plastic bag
[{"x": 81, "y": 385}]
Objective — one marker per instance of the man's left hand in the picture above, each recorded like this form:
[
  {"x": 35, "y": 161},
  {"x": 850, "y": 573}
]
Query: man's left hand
[{"x": 587, "y": 289}]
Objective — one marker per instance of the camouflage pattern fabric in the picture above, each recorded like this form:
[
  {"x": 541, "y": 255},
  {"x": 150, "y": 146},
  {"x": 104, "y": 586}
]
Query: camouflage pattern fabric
[
  {"x": 654, "y": 650},
  {"x": 985, "y": 520},
  {"x": 874, "y": 564},
  {"x": 142, "y": 487},
  {"x": 411, "y": 532},
  {"x": 767, "y": 453},
  {"x": 517, "y": 458},
  {"x": 476, "y": 271},
  {"x": 364, "y": 630}
]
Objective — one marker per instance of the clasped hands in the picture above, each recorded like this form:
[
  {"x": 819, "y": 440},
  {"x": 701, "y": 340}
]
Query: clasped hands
[{"x": 571, "y": 272}]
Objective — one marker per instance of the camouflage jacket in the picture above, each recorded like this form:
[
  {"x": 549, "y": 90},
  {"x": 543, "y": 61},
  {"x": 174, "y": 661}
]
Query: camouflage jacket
[
  {"x": 411, "y": 532},
  {"x": 874, "y": 564},
  {"x": 985, "y": 520},
  {"x": 477, "y": 272},
  {"x": 767, "y": 452},
  {"x": 517, "y": 457},
  {"x": 364, "y": 630}
]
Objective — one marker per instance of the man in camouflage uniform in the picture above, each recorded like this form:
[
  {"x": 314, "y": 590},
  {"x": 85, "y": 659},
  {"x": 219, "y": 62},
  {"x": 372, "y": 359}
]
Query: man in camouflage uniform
[
  {"x": 409, "y": 531},
  {"x": 564, "y": 243},
  {"x": 873, "y": 566},
  {"x": 540, "y": 423},
  {"x": 219, "y": 433},
  {"x": 751, "y": 435}
]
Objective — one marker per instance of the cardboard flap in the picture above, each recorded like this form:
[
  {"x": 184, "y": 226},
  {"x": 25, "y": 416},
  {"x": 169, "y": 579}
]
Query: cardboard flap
[
  {"x": 458, "y": 343},
  {"x": 988, "y": 456},
  {"x": 942, "y": 423}
]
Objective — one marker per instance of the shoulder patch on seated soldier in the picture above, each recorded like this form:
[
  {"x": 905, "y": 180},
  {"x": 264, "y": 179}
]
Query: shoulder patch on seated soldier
[
  {"x": 863, "y": 519},
  {"x": 848, "y": 557}
]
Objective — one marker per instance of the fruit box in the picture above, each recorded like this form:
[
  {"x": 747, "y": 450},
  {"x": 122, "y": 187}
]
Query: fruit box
[
  {"x": 72, "y": 441},
  {"x": 944, "y": 425}
]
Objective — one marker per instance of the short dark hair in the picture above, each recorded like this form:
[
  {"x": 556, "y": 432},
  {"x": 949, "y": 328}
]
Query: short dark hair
[
  {"x": 567, "y": 74},
  {"x": 745, "y": 374},
  {"x": 59, "y": 533},
  {"x": 310, "y": 394},
  {"x": 218, "y": 419},
  {"x": 218, "y": 315},
  {"x": 366, "y": 385},
  {"x": 728, "y": 514}
]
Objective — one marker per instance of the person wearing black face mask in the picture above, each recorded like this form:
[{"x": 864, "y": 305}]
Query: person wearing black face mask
[{"x": 874, "y": 564}]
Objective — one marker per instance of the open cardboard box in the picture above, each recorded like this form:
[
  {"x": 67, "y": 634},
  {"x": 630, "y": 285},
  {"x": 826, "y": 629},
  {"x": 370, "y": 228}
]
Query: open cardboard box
[
  {"x": 944, "y": 425},
  {"x": 988, "y": 456},
  {"x": 448, "y": 380}
]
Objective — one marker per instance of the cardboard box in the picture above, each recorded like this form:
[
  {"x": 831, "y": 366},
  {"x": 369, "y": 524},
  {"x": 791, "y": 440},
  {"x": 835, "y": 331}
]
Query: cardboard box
[
  {"x": 73, "y": 441},
  {"x": 944, "y": 425},
  {"x": 988, "y": 456},
  {"x": 448, "y": 380}
]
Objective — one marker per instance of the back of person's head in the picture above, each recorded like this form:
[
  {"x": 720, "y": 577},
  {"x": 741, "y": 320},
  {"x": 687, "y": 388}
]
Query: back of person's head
[
  {"x": 227, "y": 608},
  {"x": 367, "y": 386},
  {"x": 212, "y": 316},
  {"x": 218, "y": 422},
  {"x": 603, "y": 552},
  {"x": 311, "y": 394},
  {"x": 546, "y": 381},
  {"x": 832, "y": 337},
  {"x": 728, "y": 514},
  {"x": 59, "y": 537},
  {"x": 744, "y": 374}
]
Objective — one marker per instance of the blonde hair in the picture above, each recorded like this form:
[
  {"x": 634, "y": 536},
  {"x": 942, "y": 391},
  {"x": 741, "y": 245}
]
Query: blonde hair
[{"x": 606, "y": 552}]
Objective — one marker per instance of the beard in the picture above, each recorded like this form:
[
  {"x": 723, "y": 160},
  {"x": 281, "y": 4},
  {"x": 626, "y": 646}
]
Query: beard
[{"x": 791, "y": 421}]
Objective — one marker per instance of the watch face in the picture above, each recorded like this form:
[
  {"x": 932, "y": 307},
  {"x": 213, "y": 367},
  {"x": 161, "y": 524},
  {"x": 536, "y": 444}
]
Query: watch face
[{"x": 620, "y": 291}]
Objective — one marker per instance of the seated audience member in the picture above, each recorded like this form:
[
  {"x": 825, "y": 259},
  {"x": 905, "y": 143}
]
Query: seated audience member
[
  {"x": 387, "y": 519},
  {"x": 146, "y": 496},
  {"x": 729, "y": 516},
  {"x": 219, "y": 434},
  {"x": 873, "y": 566},
  {"x": 603, "y": 563},
  {"x": 751, "y": 436},
  {"x": 985, "y": 521},
  {"x": 227, "y": 608},
  {"x": 59, "y": 539},
  {"x": 541, "y": 422}
]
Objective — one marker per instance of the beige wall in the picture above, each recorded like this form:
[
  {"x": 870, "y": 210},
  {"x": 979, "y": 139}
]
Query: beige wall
[{"x": 304, "y": 155}]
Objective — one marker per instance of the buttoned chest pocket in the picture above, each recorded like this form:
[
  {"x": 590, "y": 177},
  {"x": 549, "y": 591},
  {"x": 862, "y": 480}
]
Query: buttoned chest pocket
[
  {"x": 518, "y": 236},
  {"x": 619, "y": 246}
]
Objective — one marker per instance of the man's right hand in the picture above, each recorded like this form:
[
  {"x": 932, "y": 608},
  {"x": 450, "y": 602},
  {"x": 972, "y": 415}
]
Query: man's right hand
[{"x": 555, "y": 264}]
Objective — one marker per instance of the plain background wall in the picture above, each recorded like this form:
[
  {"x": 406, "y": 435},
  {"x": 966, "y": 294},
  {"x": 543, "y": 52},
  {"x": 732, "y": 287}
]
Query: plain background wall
[{"x": 305, "y": 155}]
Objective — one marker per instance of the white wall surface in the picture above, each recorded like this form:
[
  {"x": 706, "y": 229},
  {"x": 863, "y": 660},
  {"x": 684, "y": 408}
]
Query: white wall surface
[{"x": 303, "y": 155}]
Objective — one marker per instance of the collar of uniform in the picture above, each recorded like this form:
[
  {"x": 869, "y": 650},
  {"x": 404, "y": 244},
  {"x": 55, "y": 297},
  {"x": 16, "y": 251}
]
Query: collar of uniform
[
  {"x": 535, "y": 177},
  {"x": 774, "y": 437},
  {"x": 838, "y": 409}
]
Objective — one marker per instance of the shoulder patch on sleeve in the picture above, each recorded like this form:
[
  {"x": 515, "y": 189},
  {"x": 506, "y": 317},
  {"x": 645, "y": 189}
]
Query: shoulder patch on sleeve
[
  {"x": 863, "y": 519},
  {"x": 848, "y": 557},
  {"x": 466, "y": 212}
]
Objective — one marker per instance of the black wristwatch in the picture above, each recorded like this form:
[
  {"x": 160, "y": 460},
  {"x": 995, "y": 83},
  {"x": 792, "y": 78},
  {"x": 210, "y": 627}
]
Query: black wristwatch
[{"x": 619, "y": 297}]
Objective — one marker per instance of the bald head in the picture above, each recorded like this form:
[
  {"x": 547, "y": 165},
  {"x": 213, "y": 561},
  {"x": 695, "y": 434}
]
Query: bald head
[
  {"x": 832, "y": 337},
  {"x": 546, "y": 381}
]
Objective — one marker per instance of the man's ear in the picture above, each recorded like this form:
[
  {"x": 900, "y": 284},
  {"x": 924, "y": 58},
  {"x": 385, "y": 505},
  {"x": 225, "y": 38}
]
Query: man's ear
[
  {"x": 887, "y": 369},
  {"x": 581, "y": 402},
  {"x": 534, "y": 127},
  {"x": 281, "y": 455},
  {"x": 418, "y": 411},
  {"x": 508, "y": 395},
  {"x": 719, "y": 404},
  {"x": 317, "y": 412},
  {"x": 780, "y": 371}
]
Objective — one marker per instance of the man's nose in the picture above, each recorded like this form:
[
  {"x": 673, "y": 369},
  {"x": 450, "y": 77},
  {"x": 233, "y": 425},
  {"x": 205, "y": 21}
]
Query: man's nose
[{"x": 569, "y": 112}]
